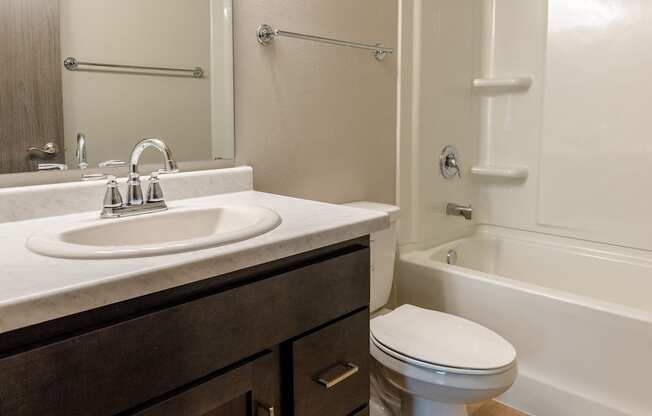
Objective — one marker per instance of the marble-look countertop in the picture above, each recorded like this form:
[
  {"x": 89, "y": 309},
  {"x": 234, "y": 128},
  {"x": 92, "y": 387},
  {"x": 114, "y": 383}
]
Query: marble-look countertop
[
  {"x": 35, "y": 288},
  {"x": 38, "y": 201}
]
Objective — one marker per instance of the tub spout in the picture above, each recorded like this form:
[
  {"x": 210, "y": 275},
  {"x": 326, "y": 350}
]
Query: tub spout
[{"x": 460, "y": 211}]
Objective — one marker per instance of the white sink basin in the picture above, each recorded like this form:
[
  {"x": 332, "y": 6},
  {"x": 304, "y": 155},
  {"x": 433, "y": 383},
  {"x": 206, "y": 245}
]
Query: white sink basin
[{"x": 176, "y": 230}]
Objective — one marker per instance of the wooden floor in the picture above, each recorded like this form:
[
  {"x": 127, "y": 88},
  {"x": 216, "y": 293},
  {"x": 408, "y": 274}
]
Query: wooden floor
[{"x": 493, "y": 409}]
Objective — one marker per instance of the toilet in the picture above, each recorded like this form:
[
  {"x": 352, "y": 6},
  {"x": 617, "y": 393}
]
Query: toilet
[{"x": 435, "y": 362}]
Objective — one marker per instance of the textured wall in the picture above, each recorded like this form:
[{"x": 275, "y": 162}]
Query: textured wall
[
  {"x": 583, "y": 126},
  {"x": 317, "y": 121}
]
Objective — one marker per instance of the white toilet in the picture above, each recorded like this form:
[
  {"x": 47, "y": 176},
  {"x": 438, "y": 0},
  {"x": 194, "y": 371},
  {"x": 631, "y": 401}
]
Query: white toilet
[{"x": 438, "y": 362}]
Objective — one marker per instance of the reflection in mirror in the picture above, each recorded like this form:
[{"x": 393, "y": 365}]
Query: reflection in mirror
[{"x": 141, "y": 68}]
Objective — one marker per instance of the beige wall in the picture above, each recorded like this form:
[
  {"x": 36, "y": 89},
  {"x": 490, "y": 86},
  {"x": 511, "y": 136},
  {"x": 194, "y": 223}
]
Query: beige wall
[
  {"x": 317, "y": 121},
  {"x": 115, "y": 110}
]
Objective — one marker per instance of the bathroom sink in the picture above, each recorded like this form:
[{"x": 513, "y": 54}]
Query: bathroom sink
[{"x": 176, "y": 230}]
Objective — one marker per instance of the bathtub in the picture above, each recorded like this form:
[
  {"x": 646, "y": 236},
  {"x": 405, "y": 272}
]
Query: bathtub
[{"x": 579, "y": 315}]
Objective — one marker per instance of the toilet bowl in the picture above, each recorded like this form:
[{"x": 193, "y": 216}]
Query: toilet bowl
[{"x": 436, "y": 362}]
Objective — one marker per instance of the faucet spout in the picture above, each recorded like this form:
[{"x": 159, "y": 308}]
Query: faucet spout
[
  {"x": 168, "y": 160},
  {"x": 134, "y": 190},
  {"x": 460, "y": 211},
  {"x": 82, "y": 153}
]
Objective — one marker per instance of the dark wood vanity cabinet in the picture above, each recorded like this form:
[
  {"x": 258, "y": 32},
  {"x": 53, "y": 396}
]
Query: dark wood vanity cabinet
[{"x": 289, "y": 337}]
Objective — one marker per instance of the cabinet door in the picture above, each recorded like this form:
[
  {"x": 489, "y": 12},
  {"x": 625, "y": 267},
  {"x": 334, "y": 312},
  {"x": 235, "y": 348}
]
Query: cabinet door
[
  {"x": 31, "y": 93},
  {"x": 250, "y": 389}
]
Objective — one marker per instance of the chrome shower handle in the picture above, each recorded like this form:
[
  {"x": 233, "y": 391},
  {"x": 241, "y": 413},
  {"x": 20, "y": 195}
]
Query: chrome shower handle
[{"x": 449, "y": 162}]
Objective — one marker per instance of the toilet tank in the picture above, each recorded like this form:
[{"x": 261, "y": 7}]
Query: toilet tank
[{"x": 383, "y": 254}]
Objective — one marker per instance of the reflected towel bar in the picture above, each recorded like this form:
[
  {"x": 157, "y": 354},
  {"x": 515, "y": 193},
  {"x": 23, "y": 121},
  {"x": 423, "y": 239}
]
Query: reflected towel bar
[
  {"x": 516, "y": 82},
  {"x": 72, "y": 64},
  {"x": 266, "y": 33}
]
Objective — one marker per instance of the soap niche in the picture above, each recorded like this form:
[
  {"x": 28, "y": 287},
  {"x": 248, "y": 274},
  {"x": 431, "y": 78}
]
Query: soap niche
[{"x": 496, "y": 96}]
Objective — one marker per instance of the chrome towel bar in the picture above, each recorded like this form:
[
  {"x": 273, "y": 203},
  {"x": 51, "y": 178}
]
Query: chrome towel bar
[
  {"x": 72, "y": 64},
  {"x": 265, "y": 34}
]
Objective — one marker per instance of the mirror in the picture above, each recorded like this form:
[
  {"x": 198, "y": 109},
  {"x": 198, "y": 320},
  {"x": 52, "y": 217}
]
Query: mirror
[{"x": 84, "y": 80}]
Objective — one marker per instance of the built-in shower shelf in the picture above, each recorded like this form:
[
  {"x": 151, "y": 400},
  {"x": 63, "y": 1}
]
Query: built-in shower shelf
[
  {"x": 510, "y": 83},
  {"x": 501, "y": 171}
]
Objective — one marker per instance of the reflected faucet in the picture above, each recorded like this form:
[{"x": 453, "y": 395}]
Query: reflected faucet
[
  {"x": 82, "y": 153},
  {"x": 460, "y": 211}
]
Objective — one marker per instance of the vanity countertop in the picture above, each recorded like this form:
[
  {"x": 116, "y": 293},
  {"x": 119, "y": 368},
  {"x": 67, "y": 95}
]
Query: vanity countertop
[{"x": 35, "y": 288}]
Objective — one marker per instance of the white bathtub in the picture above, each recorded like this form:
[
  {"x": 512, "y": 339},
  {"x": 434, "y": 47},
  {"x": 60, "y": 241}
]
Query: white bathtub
[{"x": 579, "y": 315}]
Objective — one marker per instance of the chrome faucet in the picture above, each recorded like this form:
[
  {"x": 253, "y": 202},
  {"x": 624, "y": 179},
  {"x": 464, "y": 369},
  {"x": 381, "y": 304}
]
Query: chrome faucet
[
  {"x": 134, "y": 159},
  {"x": 460, "y": 211},
  {"x": 135, "y": 203},
  {"x": 134, "y": 190},
  {"x": 82, "y": 154}
]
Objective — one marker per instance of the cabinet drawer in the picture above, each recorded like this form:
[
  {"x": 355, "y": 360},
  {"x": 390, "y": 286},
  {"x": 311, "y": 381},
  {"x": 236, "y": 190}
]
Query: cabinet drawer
[
  {"x": 331, "y": 368},
  {"x": 109, "y": 370}
]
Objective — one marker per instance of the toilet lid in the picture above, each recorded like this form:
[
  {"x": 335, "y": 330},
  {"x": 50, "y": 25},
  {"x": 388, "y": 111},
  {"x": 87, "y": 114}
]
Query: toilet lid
[{"x": 442, "y": 339}]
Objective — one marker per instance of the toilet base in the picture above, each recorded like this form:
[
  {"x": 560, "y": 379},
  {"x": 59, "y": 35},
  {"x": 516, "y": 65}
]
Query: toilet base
[
  {"x": 417, "y": 406},
  {"x": 423, "y": 391}
]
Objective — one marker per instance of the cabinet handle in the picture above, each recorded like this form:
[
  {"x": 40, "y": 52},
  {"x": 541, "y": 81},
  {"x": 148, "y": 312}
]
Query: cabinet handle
[
  {"x": 328, "y": 379},
  {"x": 264, "y": 407}
]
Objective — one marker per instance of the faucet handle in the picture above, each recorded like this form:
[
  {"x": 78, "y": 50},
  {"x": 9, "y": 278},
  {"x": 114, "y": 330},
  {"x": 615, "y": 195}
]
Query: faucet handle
[
  {"x": 449, "y": 162},
  {"x": 51, "y": 166},
  {"x": 111, "y": 163},
  {"x": 112, "y": 196},
  {"x": 154, "y": 190}
]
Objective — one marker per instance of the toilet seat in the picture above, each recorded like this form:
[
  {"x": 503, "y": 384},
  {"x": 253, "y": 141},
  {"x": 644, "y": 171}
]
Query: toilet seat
[
  {"x": 379, "y": 348},
  {"x": 441, "y": 342},
  {"x": 442, "y": 385}
]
